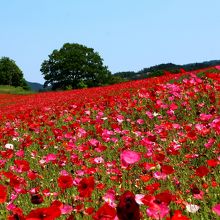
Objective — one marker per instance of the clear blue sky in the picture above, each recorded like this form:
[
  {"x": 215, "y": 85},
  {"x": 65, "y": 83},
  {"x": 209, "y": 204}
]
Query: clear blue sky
[{"x": 128, "y": 34}]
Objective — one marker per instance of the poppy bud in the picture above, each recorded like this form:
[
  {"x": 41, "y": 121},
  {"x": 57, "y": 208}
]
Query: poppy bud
[{"x": 36, "y": 199}]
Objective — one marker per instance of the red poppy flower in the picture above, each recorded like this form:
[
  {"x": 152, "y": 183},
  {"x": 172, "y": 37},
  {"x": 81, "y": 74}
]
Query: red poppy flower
[
  {"x": 17, "y": 214},
  {"x": 179, "y": 216},
  {"x": 89, "y": 210},
  {"x": 15, "y": 181},
  {"x": 167, "y": 169},
  {"x": 8, "y": 154},
  {"x": 22, "y": 165},
  {"x": 192, "y": 135},
  {"x": 147, "y": 200},
  {"x": 212, "y": 162},
  {"x": 49, "y": 213},
  {"x": 165, "y": 197},
  {"x": 106, "y": 212},
  {"x": 145, "y": 178},
  {"x": 86, "y": 186},
  {"x": 71, "y": 217},
  {"x": 202, "y": 171},
  {"x": 152, "y": 187},
  {"x": 65, "y": 182},
  {"x": 128, "y": 209},
  {"x": 3, "y": 194},
  {"x": 32, "y": 175},
  {"x": 158, "y": 157}
]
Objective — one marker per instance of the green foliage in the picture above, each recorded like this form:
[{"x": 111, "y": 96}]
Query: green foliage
[
  {"x": 116, "y": 79},
  {"x": 10, "y": 74},
  {"x": 68, "y": 87},
  {"x": 155, "y": 73},
  {"x": 82, "y": 85},
  {"x": 25, "y": 85},
  {"x": 125, "y": 75},
  {"x": 73, "y": 64}
]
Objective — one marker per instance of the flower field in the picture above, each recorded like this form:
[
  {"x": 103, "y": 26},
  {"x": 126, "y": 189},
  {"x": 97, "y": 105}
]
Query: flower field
[{"x": 147, "y": 149}]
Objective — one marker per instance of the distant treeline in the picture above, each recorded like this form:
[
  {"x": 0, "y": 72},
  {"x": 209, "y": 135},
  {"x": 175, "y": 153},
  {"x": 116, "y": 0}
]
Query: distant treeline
[{"x": 159, "y": 70}]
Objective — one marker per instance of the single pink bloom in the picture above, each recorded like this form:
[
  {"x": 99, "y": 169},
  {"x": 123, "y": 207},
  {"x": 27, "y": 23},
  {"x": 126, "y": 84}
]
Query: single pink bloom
[
  {"x": 159, "y": 175},
  {"x": 20, "y": 153},
  {"x": 120, "y": 119},
  {"x": 66, "y": 209},
  {"x": 138, "y": 199},
  {"x": 129, "y": 157},
  {"x": 199, "y": 127},
  {"x": 216, "y": 208},
  {"x": 109, "y": 197},
  {"x": 205, "y": 117},
  {"x": 64, "y": 173},
  {"x": 210, "y": 142},
  {"x": 176, "y": 126},
  {"x": 50, "y": 157},
  {"x": 98, "y": 160},
  {"x": 94, "y": 142},
  {"x": 157, "y": 211},
  {"x": 140, "y": 121},
  {"x": 149, "y": 114},
  {"x": 198, "y": 195},
  {"x": 173, "y": 106}
]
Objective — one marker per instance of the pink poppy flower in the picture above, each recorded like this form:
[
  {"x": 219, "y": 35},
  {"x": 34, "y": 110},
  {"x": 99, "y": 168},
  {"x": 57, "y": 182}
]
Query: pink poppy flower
[
  {"x": 50, "y": 157},
  {"x": 216, "y": 209},
  {"x": 140, "y": 121},
  {"x": 94, "y": 142},
  {"x": 159, "y": 175},
  {"x": 129, "y": 157},
  {"x": 66, "y": 209},
  {"x": 210, "y": 143},
  {"x": 109, "y": 197},
  {"x": 158, "y": 211},
  {"x": 205, "y": 117}
]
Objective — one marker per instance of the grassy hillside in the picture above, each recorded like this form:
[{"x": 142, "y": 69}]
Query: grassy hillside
[{"x": 4, "y": 89}]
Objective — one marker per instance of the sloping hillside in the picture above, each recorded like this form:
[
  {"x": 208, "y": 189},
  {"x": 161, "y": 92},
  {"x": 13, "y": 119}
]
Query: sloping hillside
[{"x": 146, "y": 149}]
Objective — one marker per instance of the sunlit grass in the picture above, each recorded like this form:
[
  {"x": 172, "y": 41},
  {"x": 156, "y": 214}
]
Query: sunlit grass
[{"x": 4, "y": 89}]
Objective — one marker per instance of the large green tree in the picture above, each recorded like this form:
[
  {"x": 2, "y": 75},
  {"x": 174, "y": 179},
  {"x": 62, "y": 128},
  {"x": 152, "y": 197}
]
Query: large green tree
[
  {"x": 74, "y": 66},
  {"x": 10, "y": 73}
]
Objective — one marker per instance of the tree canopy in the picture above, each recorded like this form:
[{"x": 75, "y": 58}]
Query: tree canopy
[
  {"x": 10, "y": 73},
  {"x": 74, "y": 66}
]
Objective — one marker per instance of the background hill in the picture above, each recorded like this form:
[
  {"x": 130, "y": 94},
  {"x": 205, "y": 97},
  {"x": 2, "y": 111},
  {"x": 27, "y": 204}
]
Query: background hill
[
  {"x": 34, "y": 86},
  {"x": 158, "y": 70}
]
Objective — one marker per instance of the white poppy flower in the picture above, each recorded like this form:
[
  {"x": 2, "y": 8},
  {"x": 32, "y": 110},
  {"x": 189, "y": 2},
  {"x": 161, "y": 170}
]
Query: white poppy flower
[
  {"x": 9, "y": 146},
  {"x": 192, "y": 208}
]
